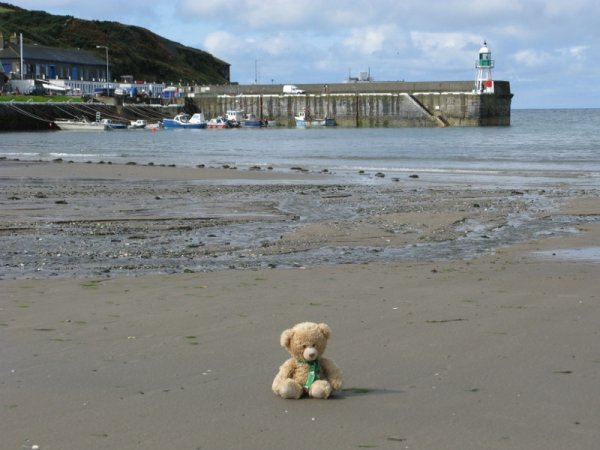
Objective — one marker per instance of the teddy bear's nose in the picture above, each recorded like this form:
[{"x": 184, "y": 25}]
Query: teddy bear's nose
[{"x": 310, "y": 353}]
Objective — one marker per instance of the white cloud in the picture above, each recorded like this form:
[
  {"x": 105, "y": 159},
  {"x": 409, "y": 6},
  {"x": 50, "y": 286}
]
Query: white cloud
[
  {"x": 207, "y": 9},
  {"x": 319, "y": 41},
  {"x": 222, "y": 43},
  {"x": 567, "y": 58},
  {"x": 277, "y": 45},
  {"x": 577, "y": 52},
  {"x": 369, "y": 40},
  {"x": 254, "y": 14},
  {"x": 435, "y": 43},
  {"x": 226, "y": 43},
  {"x": 450, "y": 51},
  {"x": 561, "y": 8},
  {"x": 530, "y": 58}
]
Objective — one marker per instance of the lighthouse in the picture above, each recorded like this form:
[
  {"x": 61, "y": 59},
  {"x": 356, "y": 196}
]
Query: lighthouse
[{"x": 484, "y": 83}]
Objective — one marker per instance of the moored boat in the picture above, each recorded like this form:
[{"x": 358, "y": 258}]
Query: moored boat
[
  {"x": 154, "y": 126},
  {"x": 305, "y": 120},
  {"x": 217, "y": 122},
  {"x": 138, "y": 124},
  {"x": 184, "y": 120},
  {"x": 235, "y": 117},
  {"x": 81, "y": 124},
  {"x": 251, "y": 121},
  {"x": 110, "y": 125}
]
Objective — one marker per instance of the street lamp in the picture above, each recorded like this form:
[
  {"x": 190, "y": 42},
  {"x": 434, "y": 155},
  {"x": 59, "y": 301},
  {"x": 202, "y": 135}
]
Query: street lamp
[
  {"x": 256, "y": 71},
  {"x": 107, "y": 77}
]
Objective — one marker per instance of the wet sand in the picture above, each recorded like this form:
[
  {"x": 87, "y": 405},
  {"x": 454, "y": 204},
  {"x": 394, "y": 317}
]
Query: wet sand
[
  {"x": 496, "y": 351},
  {"x": 61, "y": 219}
]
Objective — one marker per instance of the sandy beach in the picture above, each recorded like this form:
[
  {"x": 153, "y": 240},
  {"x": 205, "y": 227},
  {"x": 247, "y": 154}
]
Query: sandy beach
[{"x": 486, "y": 342}]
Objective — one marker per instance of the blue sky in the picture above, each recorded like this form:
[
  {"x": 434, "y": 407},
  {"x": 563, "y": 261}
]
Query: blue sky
[{"x": 548, "y": 50}]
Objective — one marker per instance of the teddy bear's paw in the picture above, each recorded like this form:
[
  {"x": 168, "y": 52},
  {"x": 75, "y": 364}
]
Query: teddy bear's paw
[
  {"x": 290, "y": 389},
  {"x": 320, "y": 389},
  {"x": 336, "y": 384}
]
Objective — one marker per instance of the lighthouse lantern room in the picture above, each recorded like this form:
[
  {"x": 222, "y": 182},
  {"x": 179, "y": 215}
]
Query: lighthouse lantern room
[{"x": 484, "y": 83}]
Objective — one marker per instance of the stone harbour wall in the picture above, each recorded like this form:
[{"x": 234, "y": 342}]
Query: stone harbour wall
[
  {"x": 28, "y": 116},
  {"x": 355, "y": 105},
  {"x": 365, "y": 105}
]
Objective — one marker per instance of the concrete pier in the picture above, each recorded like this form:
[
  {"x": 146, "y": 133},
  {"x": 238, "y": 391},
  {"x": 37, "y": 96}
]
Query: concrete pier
[
  {"x": 393, "y": 104},
  {"x": 355, "y": 105}
]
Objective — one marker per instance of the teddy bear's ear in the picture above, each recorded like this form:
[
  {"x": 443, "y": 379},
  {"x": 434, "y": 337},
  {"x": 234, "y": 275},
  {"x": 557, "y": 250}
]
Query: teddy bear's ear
[
  {"x": 286, "y": 338},
  {"x": 325, "y": 330}
]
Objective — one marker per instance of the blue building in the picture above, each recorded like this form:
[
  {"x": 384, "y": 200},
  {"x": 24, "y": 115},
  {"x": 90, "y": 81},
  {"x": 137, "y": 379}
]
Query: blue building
[{"x": 40, "y": 62}]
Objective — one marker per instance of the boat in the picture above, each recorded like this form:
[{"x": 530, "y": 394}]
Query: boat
[
  {"x": 235, "y": 117},
  {"x": 110, "y": 125},
  {"x": 270, "y": 123},
  {"x": 218, "y": 122},
  {"x": 138, "y": 124},
  {"x": 81, "y": 124},
  {"x": 154, "y": 126},
  {"x": 305, "y": 120},
  {"x": 251, "y": 121},
  {"x": 184, "y": 120}
]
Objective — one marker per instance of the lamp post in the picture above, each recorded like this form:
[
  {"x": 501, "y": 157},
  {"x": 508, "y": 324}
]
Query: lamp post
[
  {"x": 257, "y": 71},
  {"x": 107, "y": 77}
]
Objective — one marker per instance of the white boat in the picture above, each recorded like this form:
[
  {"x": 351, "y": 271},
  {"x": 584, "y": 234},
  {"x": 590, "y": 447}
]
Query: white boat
[
  {"x": 138, "y": 124},
  {"x": 218, "y": 122},
  {"x": 185, "y": 121},
  {"x": 80, "y": 125},
  {"x": 235, "y": 117},
  {"x": 154, "y": 126},
  {"x": 305, "y": 120}
]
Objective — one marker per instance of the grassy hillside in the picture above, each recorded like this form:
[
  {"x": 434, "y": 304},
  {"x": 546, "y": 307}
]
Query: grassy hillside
[{"x": 132, "y": 50}]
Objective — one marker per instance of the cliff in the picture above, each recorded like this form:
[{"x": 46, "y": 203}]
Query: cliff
[{"x": 133, "y": 50}]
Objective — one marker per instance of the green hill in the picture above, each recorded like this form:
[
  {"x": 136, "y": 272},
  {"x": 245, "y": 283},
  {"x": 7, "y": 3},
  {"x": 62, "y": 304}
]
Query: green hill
[{"x": 132, "y": 50}]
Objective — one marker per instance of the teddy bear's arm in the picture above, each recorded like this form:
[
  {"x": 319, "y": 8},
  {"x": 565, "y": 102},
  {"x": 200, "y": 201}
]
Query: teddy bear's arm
[
  {"x": 286, "y": 371},
  {"x": 332, "y": 373}
]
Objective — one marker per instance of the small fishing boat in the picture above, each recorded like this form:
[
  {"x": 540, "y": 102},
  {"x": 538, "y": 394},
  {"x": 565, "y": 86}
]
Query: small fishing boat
[
  {"x": 218, "y": 122},
  {"x": 81, "y": 124},
  {"x": 138, "y": 124},
  {"x": 154, "y": 126},
  {"x": 251, "y": 121},
  {"x": 305, "y": 120},
  {"x": 184, "y": 120},
  {"x": 235, "y": 117},
  {"x": 110, "y": 125}
]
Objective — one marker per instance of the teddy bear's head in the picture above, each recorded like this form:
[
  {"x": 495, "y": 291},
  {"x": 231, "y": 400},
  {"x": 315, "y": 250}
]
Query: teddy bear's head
[{"x": 306, "y": 341}]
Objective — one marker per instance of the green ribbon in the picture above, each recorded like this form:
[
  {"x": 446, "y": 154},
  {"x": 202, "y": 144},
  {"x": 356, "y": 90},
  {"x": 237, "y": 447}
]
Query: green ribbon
[{"x": 315, "y": 371}]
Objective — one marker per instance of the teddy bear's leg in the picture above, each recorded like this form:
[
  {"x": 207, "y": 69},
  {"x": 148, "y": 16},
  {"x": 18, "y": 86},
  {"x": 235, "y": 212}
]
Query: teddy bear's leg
[
  {"x": 320, "y": 389},
  {"x": 290, "y": 389}
]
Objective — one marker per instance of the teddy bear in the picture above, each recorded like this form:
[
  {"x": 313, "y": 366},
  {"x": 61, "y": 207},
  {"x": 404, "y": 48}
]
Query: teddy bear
[{"x": 307, "y": 372}]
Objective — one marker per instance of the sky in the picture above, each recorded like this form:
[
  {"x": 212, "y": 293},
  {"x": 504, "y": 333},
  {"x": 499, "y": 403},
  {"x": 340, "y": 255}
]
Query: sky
[{"x": 547, "y": 50}]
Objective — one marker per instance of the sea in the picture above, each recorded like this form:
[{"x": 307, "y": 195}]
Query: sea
[
  {"x": 540, "y": 147},
  {"x": 540, "y": 150}
]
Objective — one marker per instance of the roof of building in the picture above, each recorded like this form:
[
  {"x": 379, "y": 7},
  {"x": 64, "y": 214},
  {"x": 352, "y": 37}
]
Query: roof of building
[{"x": 41, "y": 53}]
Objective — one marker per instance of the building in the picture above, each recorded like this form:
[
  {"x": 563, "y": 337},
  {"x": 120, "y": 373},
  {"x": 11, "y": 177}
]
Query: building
[
  {"x": 48, "y": 63},
  {"x": 50, "y": 70}
]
